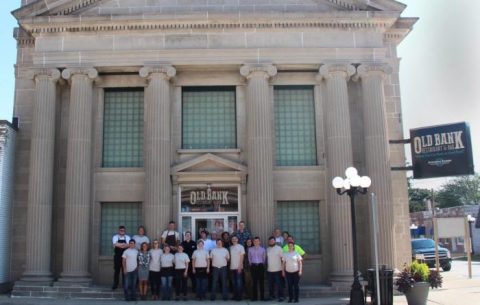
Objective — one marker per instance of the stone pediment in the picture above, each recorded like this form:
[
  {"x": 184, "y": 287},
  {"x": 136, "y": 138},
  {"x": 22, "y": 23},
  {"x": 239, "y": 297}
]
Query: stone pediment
[
  {"x": 177, "y": 8},
  {"x": 208, "y": 163}
]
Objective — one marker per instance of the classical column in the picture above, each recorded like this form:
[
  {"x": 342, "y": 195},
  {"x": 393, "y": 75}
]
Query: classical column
[
  {"x": 77, "y": 233},
  {"x": 339, "y": 156},
  {"x": 377, "y": 154},
  {"x": 157, "y": 206},
  {"x": 40, "y": 183},
  {"x": 259, "y": 111}
]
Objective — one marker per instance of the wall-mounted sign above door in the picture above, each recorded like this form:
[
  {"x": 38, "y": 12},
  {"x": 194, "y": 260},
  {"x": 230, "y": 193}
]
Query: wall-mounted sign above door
[{"x": 209, "y": 198}]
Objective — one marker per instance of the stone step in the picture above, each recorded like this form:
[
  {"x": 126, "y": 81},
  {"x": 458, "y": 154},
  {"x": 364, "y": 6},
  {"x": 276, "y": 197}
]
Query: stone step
[{"x": 102, "y": 292}]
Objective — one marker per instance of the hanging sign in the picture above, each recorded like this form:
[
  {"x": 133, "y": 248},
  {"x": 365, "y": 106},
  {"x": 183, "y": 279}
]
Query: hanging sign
[{"x": 441, "y": 151}]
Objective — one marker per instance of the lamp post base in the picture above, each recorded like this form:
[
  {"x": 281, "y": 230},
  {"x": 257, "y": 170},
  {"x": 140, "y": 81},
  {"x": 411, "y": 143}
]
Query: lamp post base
[{"x": 356, "y": 294}]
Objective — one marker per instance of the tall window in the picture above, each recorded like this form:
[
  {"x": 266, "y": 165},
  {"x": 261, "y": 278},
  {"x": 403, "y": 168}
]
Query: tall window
[
  {"x": 123, "y": 128},
  {"x": 208, "y": 118},
  {"x": 114, "y": 215},
  {"x": 295, "y": 139},
  {"x": 301, "y": 219}
]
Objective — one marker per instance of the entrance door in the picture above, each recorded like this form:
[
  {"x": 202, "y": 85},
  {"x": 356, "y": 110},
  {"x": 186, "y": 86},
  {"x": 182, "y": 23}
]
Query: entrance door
[
  {"x": 214, "y": 208},
  {"x": 211, "y": 223}
]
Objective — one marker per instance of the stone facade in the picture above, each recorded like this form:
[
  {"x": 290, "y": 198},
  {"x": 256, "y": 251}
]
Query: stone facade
[
  {"x": 7, "y": 163},
  {"x": 71, "y": 52}
]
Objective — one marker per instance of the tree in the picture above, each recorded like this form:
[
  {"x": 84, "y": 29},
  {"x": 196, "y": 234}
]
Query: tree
[
  {"x": 461, "y": 191},
  {"x": 417, "y": 198}
]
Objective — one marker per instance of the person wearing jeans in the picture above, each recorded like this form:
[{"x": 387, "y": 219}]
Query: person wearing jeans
[
  {"x": 237, "y": 254},
  {"x": 130, "y": 264},
  {"x": 166, "y": 273},
  {"x": 201, "y": 269},
  {"x": 220, "y": 258},
  {"x": 274, "y": 269}
]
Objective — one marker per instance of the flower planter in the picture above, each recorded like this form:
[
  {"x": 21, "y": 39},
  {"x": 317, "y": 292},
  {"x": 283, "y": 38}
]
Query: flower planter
[{"x": 418, "y": 294}]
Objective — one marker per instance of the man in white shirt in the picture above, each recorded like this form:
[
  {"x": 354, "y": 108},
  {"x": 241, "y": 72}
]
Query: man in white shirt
[
  {"x": 237, "y": 254},
  {"x": 274, "y": 269},
  {"x": 220, "y": 258},
  {"x": 130, "y": 264}
]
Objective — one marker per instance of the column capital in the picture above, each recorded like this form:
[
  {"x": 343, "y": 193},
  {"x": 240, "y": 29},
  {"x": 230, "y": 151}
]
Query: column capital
[
  {"x": 91, "y": 73},
  {"x": 371, "y": 69},
  {"x": 261, "y": 70},
  {"x": 164, "y": 71},
  {"x": 332, "y": 69},
  {"x": 50, "y": 73}
]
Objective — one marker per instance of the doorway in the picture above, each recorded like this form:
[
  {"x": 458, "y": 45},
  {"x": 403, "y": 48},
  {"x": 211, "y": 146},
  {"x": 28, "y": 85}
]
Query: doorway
[{"x": 210, "y": 223}]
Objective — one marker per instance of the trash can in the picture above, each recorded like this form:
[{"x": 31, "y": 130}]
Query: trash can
[{"x": 386, "y": 286}]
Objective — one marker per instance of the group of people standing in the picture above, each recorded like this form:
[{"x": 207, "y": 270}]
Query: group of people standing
[{"x": 237, "y": 262}]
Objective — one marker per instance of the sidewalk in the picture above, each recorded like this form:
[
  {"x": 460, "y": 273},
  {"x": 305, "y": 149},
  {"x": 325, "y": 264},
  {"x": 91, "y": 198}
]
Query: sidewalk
[{"x": 457, "y": 289}]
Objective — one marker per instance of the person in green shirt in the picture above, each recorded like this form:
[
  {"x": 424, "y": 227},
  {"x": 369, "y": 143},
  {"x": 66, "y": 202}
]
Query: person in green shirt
[{"x": 297, "y": 249}]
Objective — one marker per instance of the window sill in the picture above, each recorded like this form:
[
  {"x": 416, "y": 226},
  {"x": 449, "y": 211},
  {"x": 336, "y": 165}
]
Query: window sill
[
  {"x": 118, "y": 169},
  {"x": 296, "y": 168},
  {"x": 184, "y": 151}
]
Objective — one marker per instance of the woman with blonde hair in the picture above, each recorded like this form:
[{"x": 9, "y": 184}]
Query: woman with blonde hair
[{"x": 154, "y": 277}]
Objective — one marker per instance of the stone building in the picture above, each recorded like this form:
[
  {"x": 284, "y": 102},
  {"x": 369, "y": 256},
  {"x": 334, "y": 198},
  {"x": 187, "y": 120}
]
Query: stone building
[
  {"x": 7, "y": 162},
  {"x": 206, "y": 112}
]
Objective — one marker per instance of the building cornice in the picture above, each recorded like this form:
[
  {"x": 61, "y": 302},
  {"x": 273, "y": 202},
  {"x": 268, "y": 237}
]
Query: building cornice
[
  {"x": 400, "y": 30},
  {"x": 340, "y": 20}
]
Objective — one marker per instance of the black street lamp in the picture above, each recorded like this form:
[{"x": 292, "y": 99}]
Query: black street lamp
[
  {"x": 471, "y": 221},
  {"x": 353, "y": 185}
]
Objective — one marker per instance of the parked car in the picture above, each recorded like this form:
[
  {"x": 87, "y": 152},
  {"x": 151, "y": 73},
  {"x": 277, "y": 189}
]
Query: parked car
[{"x": 426, "y": 247}]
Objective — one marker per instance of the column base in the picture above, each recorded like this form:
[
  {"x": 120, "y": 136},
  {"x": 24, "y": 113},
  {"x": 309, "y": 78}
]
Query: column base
[
  {"x": 74, "y": 280},
  {"x": 342, "y": 279},
  {"x": 37, "y": 277}
]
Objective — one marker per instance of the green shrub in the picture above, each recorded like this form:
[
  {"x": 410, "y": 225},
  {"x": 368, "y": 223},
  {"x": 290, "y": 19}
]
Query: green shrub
[{"x": 417, "y": 272}]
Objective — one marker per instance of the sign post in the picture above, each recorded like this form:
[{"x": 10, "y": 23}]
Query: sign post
[{"x": 468, "y": 247}]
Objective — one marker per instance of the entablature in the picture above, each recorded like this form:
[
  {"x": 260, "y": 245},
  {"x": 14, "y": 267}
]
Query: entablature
[{"x": 356, "y": 20}]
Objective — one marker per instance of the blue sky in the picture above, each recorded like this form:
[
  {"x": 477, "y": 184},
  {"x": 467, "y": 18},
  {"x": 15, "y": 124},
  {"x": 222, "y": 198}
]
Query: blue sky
[
  {"x": 439, "y": 70},
  {"x": 7, "y": 60}
]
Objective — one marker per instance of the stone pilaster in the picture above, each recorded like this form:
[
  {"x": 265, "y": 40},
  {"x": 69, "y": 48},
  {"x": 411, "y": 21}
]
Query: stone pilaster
[
  {"x": 157, "y": 207},
  {"x": 77, "y": 233},
  {"x": 377, "y": 155},
  {"x": 339, "y": 157},
  {"x": 40, "y": 185},
  {"x": 259, "y": 111}
]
